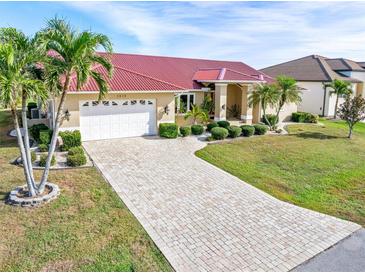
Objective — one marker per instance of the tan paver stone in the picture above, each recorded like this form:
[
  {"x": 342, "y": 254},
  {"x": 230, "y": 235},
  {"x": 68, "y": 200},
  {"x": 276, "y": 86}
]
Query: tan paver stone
[{"x": 205, "y": 219}]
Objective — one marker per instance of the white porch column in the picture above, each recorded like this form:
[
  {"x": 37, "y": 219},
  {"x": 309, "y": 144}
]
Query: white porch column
[
  {"x": 220, "y": 101},
  {"x": 246, "y": 110}
]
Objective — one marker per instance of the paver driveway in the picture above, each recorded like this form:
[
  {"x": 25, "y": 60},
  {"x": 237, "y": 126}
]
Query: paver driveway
[{"x": 204, "y": 219}]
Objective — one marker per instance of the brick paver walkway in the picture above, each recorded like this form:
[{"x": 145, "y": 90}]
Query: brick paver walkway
[{"x": 204, "y": 219}]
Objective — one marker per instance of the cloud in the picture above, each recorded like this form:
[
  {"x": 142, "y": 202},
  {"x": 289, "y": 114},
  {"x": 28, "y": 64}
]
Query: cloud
[{"x": 258, "y": 33}]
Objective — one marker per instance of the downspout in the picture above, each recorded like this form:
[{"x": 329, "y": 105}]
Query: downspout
[{"x": 324, "y": 98}]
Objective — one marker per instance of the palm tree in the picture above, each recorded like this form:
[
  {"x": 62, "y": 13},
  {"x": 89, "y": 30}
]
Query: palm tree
[
  {"x": 196, "y": 113},
  {"x": 264, "y": 95},
  {"x": 289, "y": 92},
  {"x": 340, "y": 88},
  {"x": 18, "y": 56},
  {"x": 74, "y": 55}
]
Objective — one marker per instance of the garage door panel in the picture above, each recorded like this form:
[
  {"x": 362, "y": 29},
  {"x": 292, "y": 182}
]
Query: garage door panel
[{"x": 117, "y": 119}]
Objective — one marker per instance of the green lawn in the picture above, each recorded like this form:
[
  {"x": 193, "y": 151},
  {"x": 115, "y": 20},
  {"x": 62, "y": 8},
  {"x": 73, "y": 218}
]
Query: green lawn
[
  {"x": 87, "y": 228},
  {"x": 314, "y": 167}
]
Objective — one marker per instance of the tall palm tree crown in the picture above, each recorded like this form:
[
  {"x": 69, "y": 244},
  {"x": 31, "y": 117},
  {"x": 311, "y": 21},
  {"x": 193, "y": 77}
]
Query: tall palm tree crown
[{"x": 72, "y": 55}]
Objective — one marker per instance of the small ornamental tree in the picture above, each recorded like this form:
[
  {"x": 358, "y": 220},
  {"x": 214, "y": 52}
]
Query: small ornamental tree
[{"x": 352, "y": 111}]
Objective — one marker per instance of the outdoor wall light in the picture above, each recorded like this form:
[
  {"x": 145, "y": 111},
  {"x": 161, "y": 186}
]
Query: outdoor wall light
[
  {"x": 223, "y": 107},
  {"x": 67, "y": 115},
  {"x": 167, "y": 110}
]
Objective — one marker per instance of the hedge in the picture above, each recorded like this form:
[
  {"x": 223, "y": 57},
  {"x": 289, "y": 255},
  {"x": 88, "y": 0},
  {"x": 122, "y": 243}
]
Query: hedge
[
  {"x": 212, "y": 125},
  {"x": 43, "y": 148},
  {"x": 219, "y": 133},
  {"x": 35, "y": 130},
  {"x": 45, "y": 136},
  {"x": 76, "y": 150},
  {"x": 43, "y": 159},
  {"x": 224, "y": 124},
  {"x": 185, "y": 131},
  {"x": 260, "y": 129},
  {"x": 304, "y": 117},
  {"x": 70, "y": 139},
  {"x": 76, "y": 159},
  {"x": 197, "y": 129},
  {"x": 168, "y": 130},
  {"x": 234, "y": 131},
  {"x": 248, "y": 130}
]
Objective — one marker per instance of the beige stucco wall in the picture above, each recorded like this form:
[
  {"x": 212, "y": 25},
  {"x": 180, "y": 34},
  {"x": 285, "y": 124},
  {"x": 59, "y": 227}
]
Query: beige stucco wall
[
  {"x": 162, "y": 99},
  {"x": 234, "y": 95},
  {"x": 285, "y": 113}
]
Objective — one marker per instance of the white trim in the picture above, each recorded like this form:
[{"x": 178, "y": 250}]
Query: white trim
[
  {"x": 246, "y": 117},
  {"x": 217, "y": 119},
  {"x": 188, "y": 102},
  {"x": 136, "y": 91},
  {"x": 230, "y": 81}
]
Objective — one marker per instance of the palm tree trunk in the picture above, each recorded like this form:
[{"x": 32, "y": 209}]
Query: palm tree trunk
[
  {"x": 335, "y": 116},
  {"x": 26, "y": 139},
  {"x": 263, "y": 106},
  {"x": 277, "y": 112},
  {"x": 31, "y": 189},
  {"x": 52, "y": 145}
]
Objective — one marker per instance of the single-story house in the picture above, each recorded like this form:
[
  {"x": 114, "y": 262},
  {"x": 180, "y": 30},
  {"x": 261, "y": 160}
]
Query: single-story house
[
  {"x": 148, "y": 90},
  {"x": 313, "y": 73}
]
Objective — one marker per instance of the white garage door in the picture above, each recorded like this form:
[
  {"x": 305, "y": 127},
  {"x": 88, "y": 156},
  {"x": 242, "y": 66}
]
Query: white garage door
[{"x": 117, "y": 119}]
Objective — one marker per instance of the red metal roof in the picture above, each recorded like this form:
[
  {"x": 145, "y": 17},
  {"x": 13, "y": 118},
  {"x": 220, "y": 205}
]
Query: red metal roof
[{"x": 143, "y": 72}]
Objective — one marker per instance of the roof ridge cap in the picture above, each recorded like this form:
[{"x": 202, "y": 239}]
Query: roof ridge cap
[
  {"x": 222, "y": 73},
  {"x": 147, "y": 76},
  {"x": 321, "y": 63}
]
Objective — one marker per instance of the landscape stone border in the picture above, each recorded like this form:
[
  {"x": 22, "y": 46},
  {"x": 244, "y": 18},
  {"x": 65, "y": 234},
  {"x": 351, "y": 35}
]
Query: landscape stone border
[{"x": 14, "y": 200}]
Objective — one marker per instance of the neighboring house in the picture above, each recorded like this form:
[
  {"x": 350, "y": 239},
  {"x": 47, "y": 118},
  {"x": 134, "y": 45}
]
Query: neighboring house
[
  {"x": 148, "y": 90},
  {"x": 313, "y": 73}
]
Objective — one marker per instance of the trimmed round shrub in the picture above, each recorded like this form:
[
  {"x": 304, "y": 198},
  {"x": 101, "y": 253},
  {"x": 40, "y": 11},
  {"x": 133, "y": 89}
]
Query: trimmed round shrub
[
  {"x": 260, "y": 129},
  {"x": 224, "y": 124},
  {"x": 76, "y": 159},
  {"x": 33, "y": 156},
  {"x": 312, "y": 118},
  {"x": 75, "y": 150},
  {"x": 212, "y": 125},
  {"x": 168, "y": 130},
  {"x": 70, "y": 139},
  {"x": 219, "y": 133},
  {"x": 43, "y": 147},
  {"x": 185, "y": 131},
  {"x": 43, "y": 159},
  {"x": 248, "y": 130},
  {"x": 197, "y": 129},
  {"x": 234, "y": 131}
]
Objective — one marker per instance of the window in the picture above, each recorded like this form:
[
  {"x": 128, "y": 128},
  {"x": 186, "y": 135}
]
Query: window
[
  {"x": 106, "y": 103},
  {"x": 85, "y": 104},
  {"x": 95, "y": 103},
  {"x": 125, "y": 103},
  {"x": 142, "y": 102},
  {"x": 133, "y": 102},
  {"x": 150, "y": 103},
  {"x": 183, "y": 102},
  {"x": 114, "y": 103}
]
